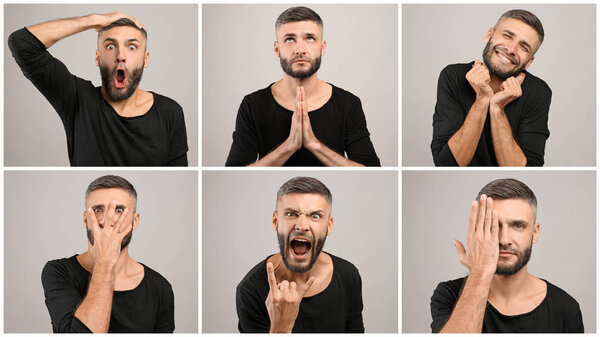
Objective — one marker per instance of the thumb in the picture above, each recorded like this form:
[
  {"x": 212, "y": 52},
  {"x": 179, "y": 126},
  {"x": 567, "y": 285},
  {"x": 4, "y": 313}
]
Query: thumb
[
  {"x": 308, "y": 285},
  {"x": 477, "y": 62},
  {"x": 521, "y": 78},
  {"x": 460, "y": 249}
]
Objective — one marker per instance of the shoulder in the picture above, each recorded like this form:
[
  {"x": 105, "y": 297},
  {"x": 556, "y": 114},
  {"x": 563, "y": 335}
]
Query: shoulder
[
  {"x": 165, "y": 104},
  {"x": 560, "y": 297},
  {"x": 457, "y": 69},
  {"x": 536, "y": 85},
  {"x": 155, "y": 279},
  {"x": 259, "y": 96},
  {"x": 345, "y": 269},
  {"x": 61, "y": 269},
  {"x": 449, "y": 288},
  {"x": 256, "y": 278},
  {"x": 340, "y": 94}
]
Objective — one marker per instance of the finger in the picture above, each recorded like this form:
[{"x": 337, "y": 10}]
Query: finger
[
  {"x": 521, "y": 78},
  {"x": 271, "y": 276},
  {"x": 302, "y": 97},
  {"x": 91, "y": 220},
  {"x": 121, "y": 222},
  {"x": 495, "y": 227},
  {"x": 293, "y": 287},
  {"x": 460, "y": 249},
  {"x": 110, "y": 214},
  {"x": 488, "y": 216},
  {"x": 481, "y": 217},
  {"x": 477, "y": 62},
  {"x": 473, "y": 219},
  {"x": 284, "y": 286},
  {"x": 125, "y": 226},
  {"x": 308, "y": 284}
]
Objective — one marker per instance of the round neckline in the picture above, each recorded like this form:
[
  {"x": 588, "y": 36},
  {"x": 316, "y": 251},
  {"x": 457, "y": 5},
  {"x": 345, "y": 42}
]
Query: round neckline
[
  {"x": 526, "y": 313},
  {"x": 117, "y": 291},
  {"x": 116, "y": 114},
  {"x": 270, "y": 90}
]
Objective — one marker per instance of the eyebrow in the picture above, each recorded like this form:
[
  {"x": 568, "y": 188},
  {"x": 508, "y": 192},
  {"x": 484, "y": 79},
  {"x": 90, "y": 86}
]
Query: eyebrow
[
  {"x": 101, "y": 206},
  {"x": 515, "y": 222},
  {"x": 110, "y": 39},
  {"x": 310, "y": 213},
  {"x": 521, "y": 41}
]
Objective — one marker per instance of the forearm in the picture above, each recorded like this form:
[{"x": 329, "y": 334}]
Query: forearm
[
  {"x": 52, "y": 31},
  {"x": 508, "y": 152},
  {"x": 464, "y": 142},
  {"x": 329, "y": 157},
  {"x": 94, "y": 311},
  {"x": 467, "y": 316},
  {"x": 277, "y": 157}
]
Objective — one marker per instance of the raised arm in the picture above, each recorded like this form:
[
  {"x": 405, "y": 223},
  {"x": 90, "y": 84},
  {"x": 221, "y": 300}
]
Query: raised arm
[{"x": 482, "y": 259}]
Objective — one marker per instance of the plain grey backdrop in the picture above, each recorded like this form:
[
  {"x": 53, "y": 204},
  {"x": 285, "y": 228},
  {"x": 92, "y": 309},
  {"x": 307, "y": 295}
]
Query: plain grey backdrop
[
  {"x": 238, "y": 59},
  {"x": 436, "y": 205},
  {"x": 434, "y": 36},
  {"x": 237, "y": 234},
  {"x": 43, "y": 221},
  {"x": 33, "y": 132}
]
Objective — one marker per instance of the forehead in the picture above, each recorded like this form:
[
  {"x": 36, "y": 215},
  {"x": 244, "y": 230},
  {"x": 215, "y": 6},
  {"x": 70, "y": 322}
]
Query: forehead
[
  {"x": 303, "y": 202},
  {"x": 522, "y": 30},
  {"x": 104, "y": 196},
  {"x": 514, "y": 209},
  {"x": 122, "y": 33},
  {"x": 299, "y": 28}
]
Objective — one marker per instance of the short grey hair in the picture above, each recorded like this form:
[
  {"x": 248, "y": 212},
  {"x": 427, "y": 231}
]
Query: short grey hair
[{"x": 305, "y": 185}]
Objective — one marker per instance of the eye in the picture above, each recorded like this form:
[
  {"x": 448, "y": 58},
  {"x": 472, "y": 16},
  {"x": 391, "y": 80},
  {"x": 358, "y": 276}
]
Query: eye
[
  {"x": 291, "y": 214},
  {"x": 119, "y": 210},
  {"x": 98, "y": 210},
  {"x": 316, "y": 216},
  {"x": 310, "y": 39},
  {"x": 289, "y": 39},
  {"x": 110, "y": 46},
  {"x": 132, "y": 47}
]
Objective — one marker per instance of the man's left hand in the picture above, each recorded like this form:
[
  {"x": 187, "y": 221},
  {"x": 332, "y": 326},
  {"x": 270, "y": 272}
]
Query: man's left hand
[
  {"x": 510, "y": 90},
  {"x": 309, "y": 141}
]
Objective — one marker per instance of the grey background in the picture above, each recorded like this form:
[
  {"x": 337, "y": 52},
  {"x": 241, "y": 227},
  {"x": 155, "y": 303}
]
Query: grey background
[
  {"x": 33, "y": 132},
  {"x": 435, "y": 36},
  {"x": 237, "y": 234},
  {"x": 44, "y": 221},
  {"x": 238, "y": 59},
  {"x": 436, "y": 208}
]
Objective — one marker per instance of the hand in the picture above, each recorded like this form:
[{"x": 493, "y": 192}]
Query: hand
[
  {"x": 103, "y": 20},
  {"x": 482, "y": 237},
  {"x": 107, "y": 239},
  {"x": 295, "y": 137},
  {"x": 283, "y": 301},
  {"x": 308, "y": 137},
  {"x": 479, "y": 79},
  {"x": 509, "y": 91}
]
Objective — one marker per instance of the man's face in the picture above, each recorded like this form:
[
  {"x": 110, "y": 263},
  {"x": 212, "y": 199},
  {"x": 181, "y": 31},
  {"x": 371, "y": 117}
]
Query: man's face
[
  {"x": 517, "y": 232},
  {"x": 100, "y": 199},
  {"x": 299, "y": 47},
  {"x": 121, "y": 56},
  {"x": 510, "y": 47},
  {"x": 302, "y": 222}
]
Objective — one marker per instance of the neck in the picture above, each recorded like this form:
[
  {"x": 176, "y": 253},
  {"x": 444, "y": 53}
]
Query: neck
[
  {"x": 495, "y": 82},
  {"x": 124, "y": 262},
  {"x": 509, "y": 286},
  {"x": 311, "y": 84},
  {"x": 283, "y": 273},
  {"x": 123, "y": 105}
]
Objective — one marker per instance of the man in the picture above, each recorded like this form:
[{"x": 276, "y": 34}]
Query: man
[
  {"x": 301, "y": 120},
  {"x": 301, "y": 289},
  {"x": 499, "y": 295},
  {"x": 105, "y": 290},
  {"x": 116, "y": 124},
  {"x": 494, "y": 113}
]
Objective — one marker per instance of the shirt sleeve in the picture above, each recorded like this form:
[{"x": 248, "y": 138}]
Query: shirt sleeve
[
  {"x": 359, "y": 147},
  {"x": 165, "y": 322},
  {"x": 251, "y": 311},
  {"x": 448, "y": 117},
  {"x": 354, "y": 321},
  {"x": 49, "y": 75},
  {"x": 575, "y": 320},
  {"x": 244, "y": 149},
  {"x": 532, "y": 132},
  {"x": 442, "y": 303},
  {"x": 178, "y": 146},
  {"x": 62, "y": 299}
]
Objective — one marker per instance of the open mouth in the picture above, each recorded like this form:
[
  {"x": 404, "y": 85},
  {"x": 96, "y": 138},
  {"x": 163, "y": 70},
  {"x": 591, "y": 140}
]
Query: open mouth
[
  {"x": 120, "y": 79},
  {"x": 300, "y": 247},
  {"x": 505, "y": 58}
]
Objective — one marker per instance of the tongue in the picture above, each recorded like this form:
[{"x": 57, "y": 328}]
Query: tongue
[{"x": 300, "y": 248}]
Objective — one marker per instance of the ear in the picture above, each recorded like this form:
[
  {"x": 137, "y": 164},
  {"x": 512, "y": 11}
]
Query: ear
[
  {"x": 146, "y": 59},
  {"x": 323, "y": 47},
  {"x": 97, "y": 63},
  {"x": 329, "y": 226},
  {"x": 488, "y": 35},
  {"x": 276, "y": 48},
  {"x": 136, "y": 220},
  {"x": 536, "y": 232},
  {"x": 275, "y": 220},
  {"x": 529, "y": 62},
  {"x": 85, "y": 219}
]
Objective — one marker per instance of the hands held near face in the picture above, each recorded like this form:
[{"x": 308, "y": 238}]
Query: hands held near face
[
  {"x": 301, "y": 133},
  {"x": 108, "y": 237},
  {"x": 103, "y": 20},
  {"x": 480, "y": 80},
  {"x": 283, "y": 301},
  {"x": 482, "y": 237}
]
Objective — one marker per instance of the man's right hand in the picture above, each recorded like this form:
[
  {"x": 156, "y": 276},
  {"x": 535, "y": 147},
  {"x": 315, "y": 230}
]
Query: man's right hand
[
  {"x": 107, "y": 239},
  {"x": 479, "y": 78},
  {"x": 283, "y": 302},
  {"x": 482, "y": 237},
  {"x": 103, "y": 20},
  {"x": 295, "y": 138}
]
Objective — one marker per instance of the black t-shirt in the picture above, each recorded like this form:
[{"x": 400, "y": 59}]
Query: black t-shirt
[
  {"x": 262, "y": 125},
  {"x": 146, "y": 308},
  {"x": 558, "y": 312},
  {"x": 96, "y": 134},
  {"x": 338, "y": 308},
  {"x": 527, "y": 116}
]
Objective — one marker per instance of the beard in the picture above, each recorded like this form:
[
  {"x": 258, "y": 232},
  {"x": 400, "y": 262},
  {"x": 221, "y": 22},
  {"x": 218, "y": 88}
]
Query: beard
[
  {"x": 108, "y": 82},
  {"x": 284, "y": 248},
  {"x": 288, "y": 66},
  {"x": 124, "y": 242},
  {"x": 496, "y": 69},
  {"x": 522, "y": 260}
]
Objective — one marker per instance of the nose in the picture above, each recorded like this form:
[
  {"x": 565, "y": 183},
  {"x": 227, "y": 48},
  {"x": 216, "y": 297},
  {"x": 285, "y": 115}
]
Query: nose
[
  {"x": 302, "y": 224},
  {"x": 503, "y": 235},
  {"x": 512, "y": 46},
  {"x": 300, "y": 48},
  {"x": 120, "y": 56}
]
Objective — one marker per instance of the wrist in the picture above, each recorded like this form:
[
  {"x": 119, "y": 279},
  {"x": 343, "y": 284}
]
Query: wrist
[
  {"x": 276, "y": 328},
  {"x": 483, "y": 272},
  {"x": 313, "y": 146}
]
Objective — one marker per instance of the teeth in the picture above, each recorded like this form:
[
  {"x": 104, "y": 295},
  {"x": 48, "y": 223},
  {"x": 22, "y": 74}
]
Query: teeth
[{"x": 301, "y": 240}]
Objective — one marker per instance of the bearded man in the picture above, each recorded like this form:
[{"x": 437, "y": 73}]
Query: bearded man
[
  {"x": 494, "y": 113},
  {"x": 117, "y": 124},
  {"x": 104, "y": 289},
  {"x": 499, "y": 294},
  {"x": 301, "y": 289},
  {"x": 301, "y": 120}
]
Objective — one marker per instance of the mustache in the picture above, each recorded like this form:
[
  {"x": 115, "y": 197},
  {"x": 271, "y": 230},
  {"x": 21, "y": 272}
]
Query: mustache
[
  {"x": 300, "y": 57},
  {"x": 510, "y": 249}
]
